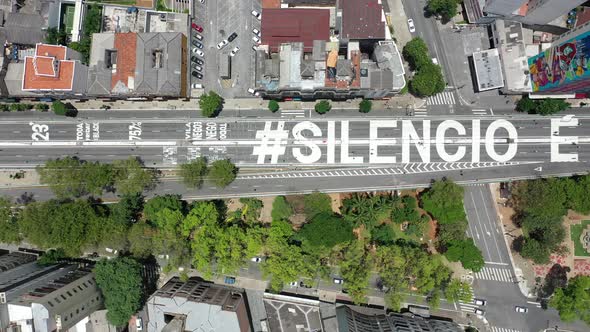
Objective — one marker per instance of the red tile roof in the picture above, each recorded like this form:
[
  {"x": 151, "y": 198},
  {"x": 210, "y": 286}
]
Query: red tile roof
[
  {"x": 48, "y": 69},
  {"x": 286, "y": 25},
  {"x": 125, "y": 44},
  {"x": 362, "y": 19}
]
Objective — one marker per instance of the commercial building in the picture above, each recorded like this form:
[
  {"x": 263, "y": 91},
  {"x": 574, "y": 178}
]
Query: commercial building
[
  {"x": 511, "y": 40},
  {"x": 488, "y": 70},
  {"x": 294, "y": 25},
  {"x": 562, "y": 68},
  {"x": 138, "y": 65},
  {"x": 54, "y": 69},
  {"x": 197, "y": 305},
  {"x": 45, "y": 298},
  {"x": 361, "y": 319}
]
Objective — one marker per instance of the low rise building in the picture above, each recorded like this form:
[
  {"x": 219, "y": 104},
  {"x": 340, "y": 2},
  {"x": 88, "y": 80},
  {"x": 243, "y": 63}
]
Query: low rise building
[
  {"x": 488, "y": 70},
  {"x": 510, "y": 38}
]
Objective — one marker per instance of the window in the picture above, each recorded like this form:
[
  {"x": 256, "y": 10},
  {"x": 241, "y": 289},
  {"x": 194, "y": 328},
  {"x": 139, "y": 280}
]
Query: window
[
  {"x": 69, "y": 294},
  {"x": 50, "y": 303},
  {"x": 63, "y": 297},
  {"x": 57, "y": 300}
]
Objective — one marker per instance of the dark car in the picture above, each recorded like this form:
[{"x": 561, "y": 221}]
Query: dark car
[
  {"x": 232, "y": 37},
  {"x": 197, "y": 44},
  {"x": 195, "y": 59},
  {"x": 199, "y": 61},
  {"x": 197, "y": 75}
]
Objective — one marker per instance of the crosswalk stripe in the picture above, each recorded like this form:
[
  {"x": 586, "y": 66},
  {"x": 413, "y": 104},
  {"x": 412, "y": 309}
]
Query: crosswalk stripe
[
  {"x": 443, "y": 98},
  {"x": 494, "y": 274},
  {"x": 502, "y": 329}
]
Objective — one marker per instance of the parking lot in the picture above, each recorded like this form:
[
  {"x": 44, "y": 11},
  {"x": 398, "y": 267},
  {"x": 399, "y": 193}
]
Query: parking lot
[{"x": 219, "y": 19}]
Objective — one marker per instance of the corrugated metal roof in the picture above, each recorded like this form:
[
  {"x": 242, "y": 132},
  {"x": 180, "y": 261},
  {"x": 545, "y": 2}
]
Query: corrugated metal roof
[
  {"x": 285, "y": 25},
  {"x": 362, "y": 19}
]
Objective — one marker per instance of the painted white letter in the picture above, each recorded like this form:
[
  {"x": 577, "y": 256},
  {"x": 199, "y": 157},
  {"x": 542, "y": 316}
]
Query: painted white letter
[
  {"x": 316, "y": 153},
  {"x": 512, "y": 136},
  {"x": 375, "y": 142},
  {"x": 331, "y": 142},
  {"x": 440, "y": 140},
  {"x": 344, "y": 157},
  {"x": 556, "y": 140},
  {"x": 475, "y": 140},
  {"x": 409, "y": 134}
]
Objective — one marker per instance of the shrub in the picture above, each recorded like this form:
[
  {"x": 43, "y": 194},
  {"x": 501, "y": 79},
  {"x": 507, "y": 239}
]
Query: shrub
[
  {"x": 323, "y": 107},
  {"x": 273, "y": 106},
  {"x": 365, "y": 106}
]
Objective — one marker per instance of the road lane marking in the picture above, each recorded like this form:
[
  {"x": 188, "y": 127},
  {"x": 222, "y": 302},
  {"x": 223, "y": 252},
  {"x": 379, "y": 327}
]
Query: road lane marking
[
  {"x": 478, "y": 223},
  {"x": 491, "y": 223},
  {"x": 496, "y": 263}
]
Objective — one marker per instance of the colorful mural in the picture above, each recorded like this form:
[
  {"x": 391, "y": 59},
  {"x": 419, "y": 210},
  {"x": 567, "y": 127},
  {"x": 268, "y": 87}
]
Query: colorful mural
[{"x": 561, "y": 65}]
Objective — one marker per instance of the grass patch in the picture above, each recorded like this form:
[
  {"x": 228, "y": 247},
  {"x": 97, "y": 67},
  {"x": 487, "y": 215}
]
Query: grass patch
[{"x": 576, "y": 231}]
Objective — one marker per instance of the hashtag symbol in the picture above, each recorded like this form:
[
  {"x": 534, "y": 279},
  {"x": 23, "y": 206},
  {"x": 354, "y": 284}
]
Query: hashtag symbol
[{"x": 272, "y": 142}]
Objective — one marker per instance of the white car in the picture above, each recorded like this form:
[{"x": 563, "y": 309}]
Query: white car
[
  {"x": 479, "y": 302},
  {"x": 196, "y": 86},
  {"x": 256, "y": 259},
  {"x": 138, "y": 323},
  {"x": 293, "y": 283},
  {"x": 198, "y": 68},
  {"x": 199, "y": 37},
  {"x": 256, "y": 39},
  {"x": 198, "y": 52},
  {"x": 522, "y": 310},
  {"x": 234, "y": 51},
  {"x": 256, "y": 14},
  {"x": 253, "y": 92},
  {"x": 202, "y": 1},
  {"x": 411, "y": 25},
  {"x": 435, "y": 61},
  {"x": 256, "y": 32},
  {"x": 222, "y": 44},
  {"x": 338, "y": 281},
  {"x": 478, "y": 311}
]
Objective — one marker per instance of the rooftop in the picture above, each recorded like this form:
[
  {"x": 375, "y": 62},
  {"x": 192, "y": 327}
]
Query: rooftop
[
  {"x": 122, "y": 19},
  {"x": 362, "y": 19},
  {"x": 488, "y": 69},
  {"x": 291, "y": 314},
  {"x": 49, "y": 69},
  {"x": 284, "y": 25},
  {"x": 511, "y": 46}
]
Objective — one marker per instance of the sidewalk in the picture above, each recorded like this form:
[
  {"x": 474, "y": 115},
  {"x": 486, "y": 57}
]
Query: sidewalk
[{"x": 402, "y": 101}]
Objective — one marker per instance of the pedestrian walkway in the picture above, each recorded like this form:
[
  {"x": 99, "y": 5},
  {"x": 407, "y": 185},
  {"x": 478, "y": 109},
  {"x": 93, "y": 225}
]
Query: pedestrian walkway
[
  {"x": 495, "y": 274},
  {"x": 292, "y": 113},
  {"x": 443, "y": 98},
  {"x": 502, "y": 329},
  {"x": 467, "y": 307},
  {"x": 421, "y": 112},
  {"x": 480, "y": 112}
]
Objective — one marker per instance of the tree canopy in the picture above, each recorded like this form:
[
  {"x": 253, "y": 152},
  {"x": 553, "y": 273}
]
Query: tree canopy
[
  {"x": 546, "y": 106},
  {"x": 444, "y": 201},
  {"x": 119, "y": 281},
  {"x": 323, "y": 232},
  {"x": 365, "y": 106},
  {"x": 416, "y": 53},
  {"x": 572, "y": 301},
  {"x": 194, "y": 172},
  {"x": 355, "y": 269},
  {"x": 316, "y": 203},
  {"x": 428, "y": 81},
  {"x": 9, "y": 229},
  {"x": 130, "y": 176},
  {"x": 222, "y": 172},
  {"x": 281, "y": 209},
  {"x": 467, "y": 253},
  {"x": 458, "y": 290},
  {"x": 211, "y": 104},
  {"x": 273, "y": 105},
  {"x": 323, "y": 106},
  {"x": 446, "y": 9}
]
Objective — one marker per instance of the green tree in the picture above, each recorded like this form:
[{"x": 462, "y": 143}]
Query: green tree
[
  {"x": 446, "y": 9},
  {"x": 428, "y": 81},
  {"x": 130, "y": 177},
  {"x": 392, "y": 265},
  {"x": 551, "y": 106},
  {"x": 159, "y": 203},
  {"x": 368, "y": 210},
  {"x": 316, "y": 203},
  {"x": 355, "y": 269},
  {"x": 211, "y": 104},
  {"x": 467, "y": 253},
  {"x": 454, "y": 231},
  {"x": 251, "y": 208},
  {"x": 526, "y": 105},
  {"x": 383, "y": 234},
  {"x": 51, "y": 256},
  {"x": 273, "y": 106},
  {"x": 140, "y": 238},
  {"x": 444, "y": 201},
  {"x": 41, "y": 107},
  {"x": 71, "y": 177},
  {"x": 458, "y": 290},
  {"x": 281, "y": 209},
  {"x": 194, "y": 172},
  {"x": 365, "y": 106},
  {"x": 222, "y": 172},
  {"x": 9, "y": 229},
  {"x": 313, "y": 234},
  {"x": 416, "y": 53},
  {"x": 572, "y": 302},
  {"x": 323, "y": 106},
  {"x": 119, "y": 281}
]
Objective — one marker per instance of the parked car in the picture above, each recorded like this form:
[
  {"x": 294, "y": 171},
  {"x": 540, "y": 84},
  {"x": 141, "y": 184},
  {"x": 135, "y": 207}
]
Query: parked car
[
  {"x": 478, "y": 311},
  {"x": 304, "y": 285},
  {"x": 256, "y": 32},
  {"x": 197, "y": 36},
  {"x": 253, "y": 92},
  {"x": 199, "y": 62},
  {"x": 522, "y": 310},
  {"x": 229, "y": 280},
  {"x": 234, "y": 51},
  {"x": 411, "y": 25},
  {"x": 197, "y": 75},
  {"x": 256, "y": 39},
  {"x": 222, "y": 44},
  {"x": 197, "y": 86},
  {"x": 435, "y": 61},
  {"x": 197, "y": 27},
  {"x": 255, "y": 47},
  {"x": 139, "y": 323},
  {"x": 256, "y": 259},
  {"x": 256, "y": 14},
  {"x": 232, "y": 37},
  {"x": 197, "y": 44},
  {"x": 199, "y": 52},
  {"x": 197, "y": 67},
  {"x": 202, "y": 1},
  {"x": 293, "y": 284},
  {"x": 338, "y": 281},
  {"x": 479, "y": 302}
]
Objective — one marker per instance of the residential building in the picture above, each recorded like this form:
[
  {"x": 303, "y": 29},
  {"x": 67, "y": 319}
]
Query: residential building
[
  {"x": 54, "y": 69},
  {"x": 45, "y": 298},
  {"x": 362, "y": 319},
  {"x": 562, "y": 68},
  {"x": 488, "y": 70},
  {"x": 138, "y": 65},
  {"x": 197, "y": 305}
]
